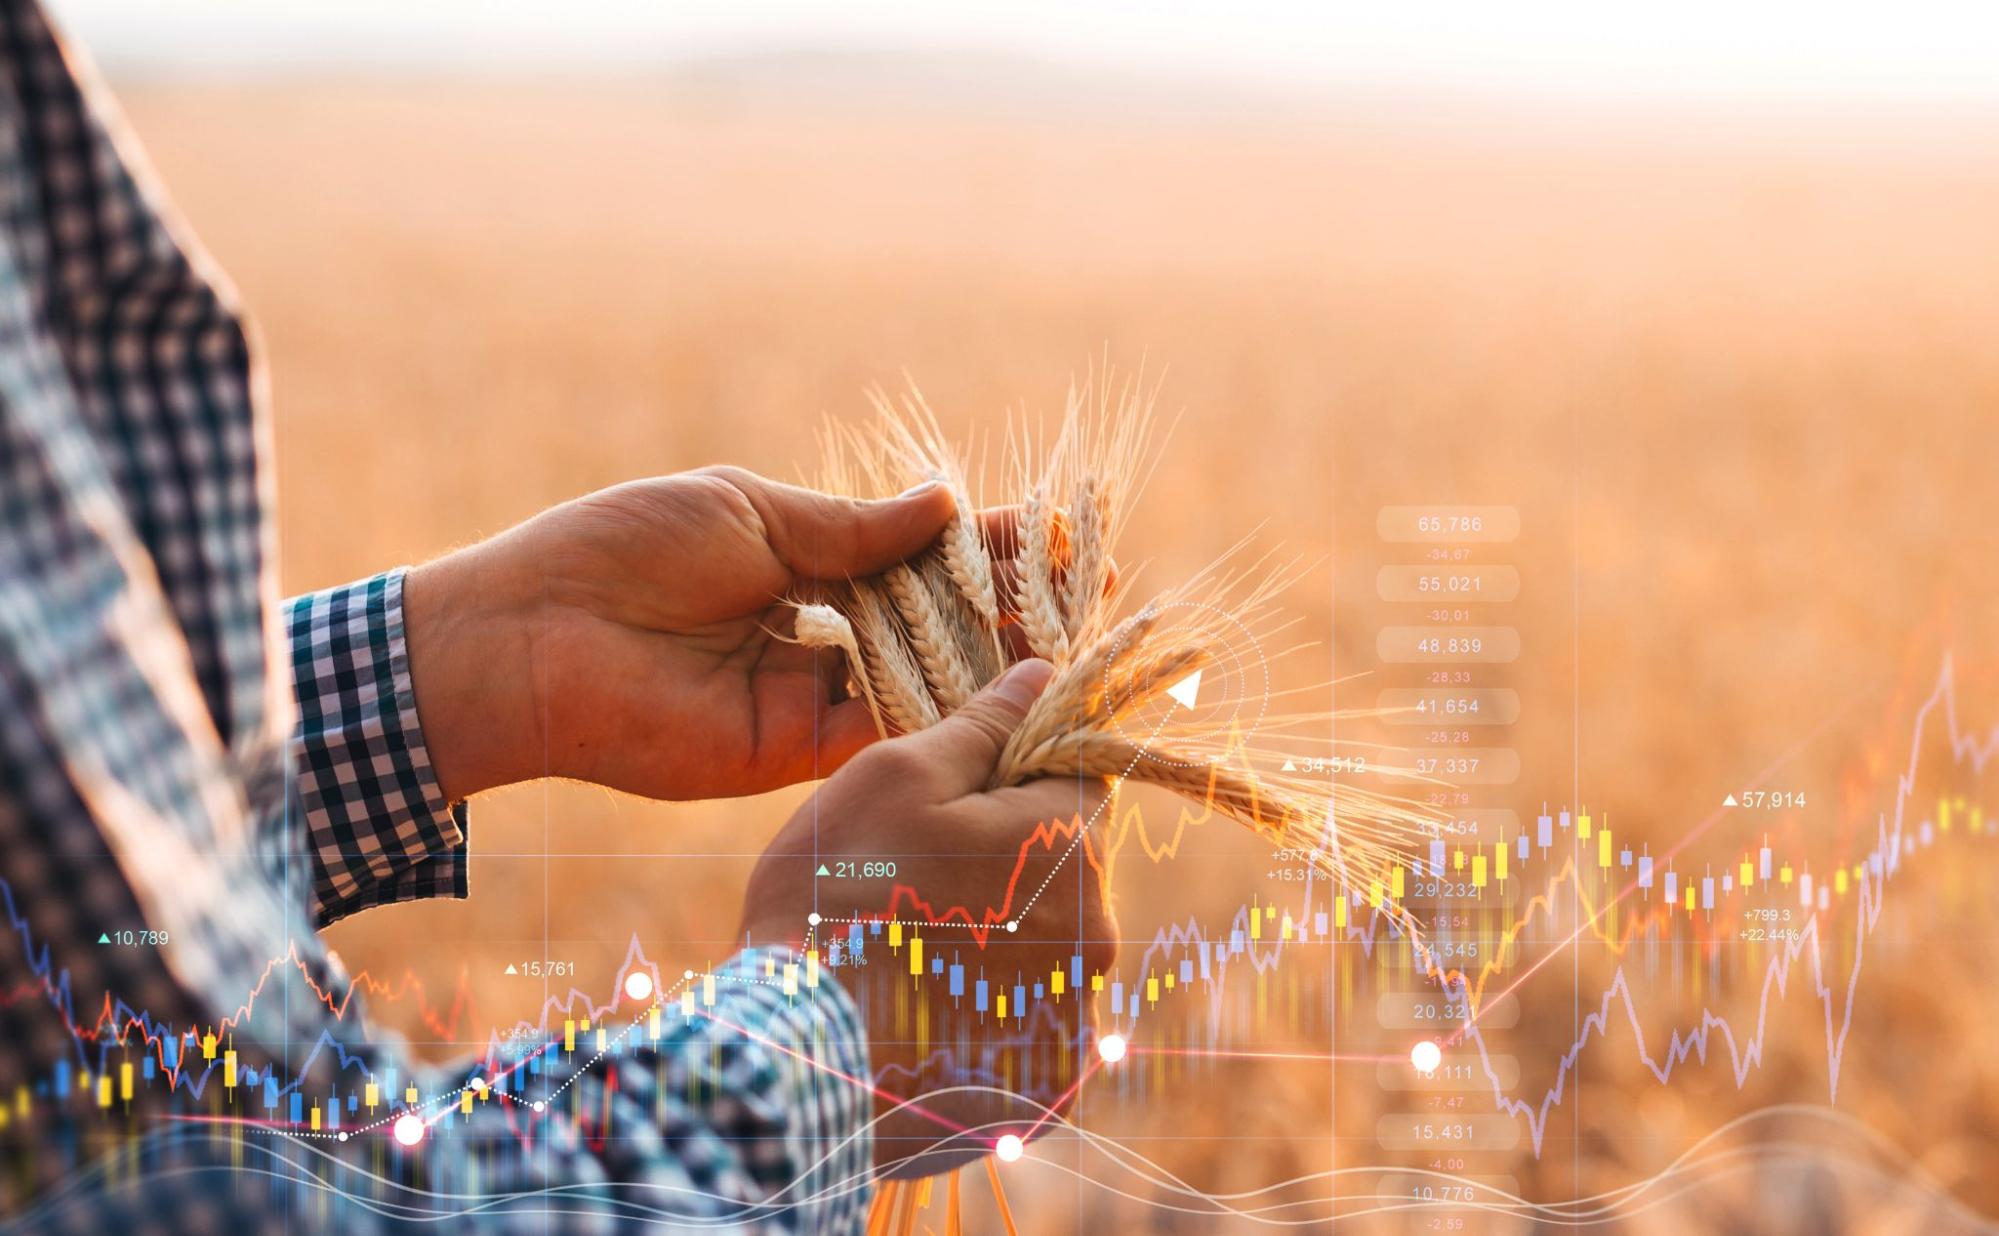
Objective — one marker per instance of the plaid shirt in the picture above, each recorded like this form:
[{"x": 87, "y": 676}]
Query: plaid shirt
[{"x": 153, "y": 782}]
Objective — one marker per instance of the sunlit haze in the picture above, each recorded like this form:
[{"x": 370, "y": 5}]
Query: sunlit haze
[{"x": 1706, "y": 50}]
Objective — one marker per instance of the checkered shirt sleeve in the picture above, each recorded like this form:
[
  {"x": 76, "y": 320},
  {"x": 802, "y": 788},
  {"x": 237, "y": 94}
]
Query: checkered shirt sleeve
[
  {"x": 741, "y": 1116},
  {"x": 375, "y": 824},
  {"x": 171, "y": 826}
]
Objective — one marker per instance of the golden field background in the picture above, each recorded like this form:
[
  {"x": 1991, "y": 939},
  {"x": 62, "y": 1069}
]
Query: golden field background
[{"x": 1737, "y": 373}]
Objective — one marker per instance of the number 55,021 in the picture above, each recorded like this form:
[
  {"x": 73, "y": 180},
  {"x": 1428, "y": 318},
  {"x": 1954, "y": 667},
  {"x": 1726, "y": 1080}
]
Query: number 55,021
[{"x": 1462, "y": 583}]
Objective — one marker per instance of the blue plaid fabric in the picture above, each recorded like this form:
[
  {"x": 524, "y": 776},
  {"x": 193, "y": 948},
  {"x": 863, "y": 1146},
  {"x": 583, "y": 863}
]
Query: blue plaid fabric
[
  {"x": 163, "y": 775},
  {"x": 377, "y": 826}
]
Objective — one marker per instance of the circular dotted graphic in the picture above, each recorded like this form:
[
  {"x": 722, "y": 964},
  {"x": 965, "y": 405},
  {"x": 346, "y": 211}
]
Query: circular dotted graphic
[{"x": 1227, "y": 696}]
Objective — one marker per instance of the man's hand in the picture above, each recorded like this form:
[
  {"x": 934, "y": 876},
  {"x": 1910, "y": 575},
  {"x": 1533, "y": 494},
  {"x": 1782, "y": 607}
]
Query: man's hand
[
  {"x": 950, "y": 1079},
  {"x": 627, "y": 638}
]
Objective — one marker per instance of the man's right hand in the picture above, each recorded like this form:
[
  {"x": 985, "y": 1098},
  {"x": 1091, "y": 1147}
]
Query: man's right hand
[{"x": 920, "y": 802}]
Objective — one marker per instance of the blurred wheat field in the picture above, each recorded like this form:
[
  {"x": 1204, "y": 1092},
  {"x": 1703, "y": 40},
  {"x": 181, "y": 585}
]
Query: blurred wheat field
[{"x": 1738, "y": 378}]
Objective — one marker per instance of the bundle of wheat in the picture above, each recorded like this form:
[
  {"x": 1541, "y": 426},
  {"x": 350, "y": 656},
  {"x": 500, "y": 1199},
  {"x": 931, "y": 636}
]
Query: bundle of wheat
[{"x": 924, "y": 637}]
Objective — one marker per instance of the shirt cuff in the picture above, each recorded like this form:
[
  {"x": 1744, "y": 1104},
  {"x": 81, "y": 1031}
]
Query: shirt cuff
[{"x": 375, "y": 823}]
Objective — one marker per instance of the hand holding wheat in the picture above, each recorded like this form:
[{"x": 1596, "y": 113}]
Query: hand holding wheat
[{"x": 926, "y": 635}]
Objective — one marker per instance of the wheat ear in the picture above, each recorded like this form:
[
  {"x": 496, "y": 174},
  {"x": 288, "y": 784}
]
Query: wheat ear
[
  {"x": 931, "y": 639},
  {"x": 1089, "y": 557},
  {"x": 911, "y": 437},
  {"x": 969, "y": 571},
  {"x": 1040, "y": 610},
  {"x": 822, "y": 626},
  {"x": 1075, "y": 696},
  {"x": 978, "y": 642},
  {"x": 964, "y": 556},
  {"x": 898, "y": 682}
]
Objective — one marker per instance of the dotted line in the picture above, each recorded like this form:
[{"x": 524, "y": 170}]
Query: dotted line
[
  {"x": 479, "y": 1086},
  {"x": 1013, "y": 924}
]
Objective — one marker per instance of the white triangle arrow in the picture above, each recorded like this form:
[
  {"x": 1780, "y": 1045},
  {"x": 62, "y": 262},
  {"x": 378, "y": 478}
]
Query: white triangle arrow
[
  {"x": 1186, "y": 690},
  {"x": 1729, "y": 801}
]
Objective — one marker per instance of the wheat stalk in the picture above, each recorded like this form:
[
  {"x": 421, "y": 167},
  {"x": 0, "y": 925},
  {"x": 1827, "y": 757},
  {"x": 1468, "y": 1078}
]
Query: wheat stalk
[
  {"x": 1350, "y": 833},
  {"x": 1288, "y": 814}
]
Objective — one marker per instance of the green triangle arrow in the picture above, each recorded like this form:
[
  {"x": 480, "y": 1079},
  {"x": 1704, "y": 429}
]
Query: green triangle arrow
[
  {"x": 104, "y": 938},
  {"x": 822, "y": 870}
]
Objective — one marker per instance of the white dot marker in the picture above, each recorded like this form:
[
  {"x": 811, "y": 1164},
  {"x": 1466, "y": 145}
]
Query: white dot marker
[
  {"x": 813, "y": 918},
  {"x": 343, "y": 1135},
  {"x": 408, "y": 1129},
  {"x": 1426, "y": 1056},
  {"x": 638, "y": 985},
  {"x": 687, "y": 974},
  {"x": 1010, "y": 1148},
  {"x": 539, "y": 1106},
  {"x": 1012, "y": 925},
  {"x": 1111, "y": 1048},
  {"x": 478, "y": 1085}
]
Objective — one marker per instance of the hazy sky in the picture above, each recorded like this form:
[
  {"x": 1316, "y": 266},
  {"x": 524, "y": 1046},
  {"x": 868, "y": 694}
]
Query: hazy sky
[{"x": 1728, "y": 49}]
